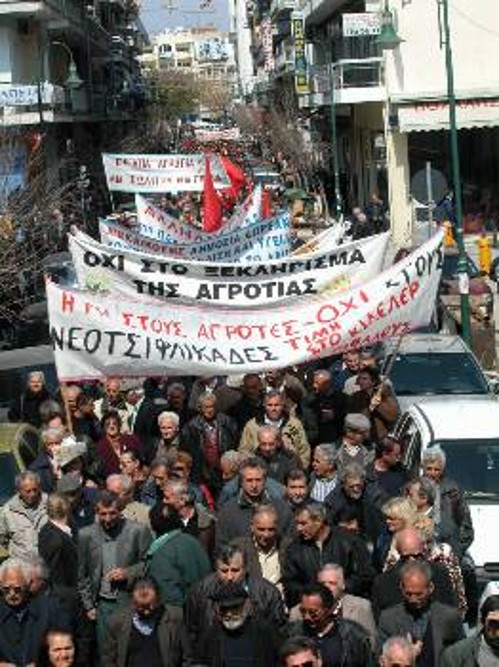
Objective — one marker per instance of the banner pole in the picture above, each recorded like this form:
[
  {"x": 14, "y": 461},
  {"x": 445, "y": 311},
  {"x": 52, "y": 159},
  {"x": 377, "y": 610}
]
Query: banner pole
[{"x": 67, "y": 411}]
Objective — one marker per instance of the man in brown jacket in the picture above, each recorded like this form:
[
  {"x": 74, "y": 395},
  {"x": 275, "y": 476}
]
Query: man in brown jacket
[{"x": 146, "y": 632}]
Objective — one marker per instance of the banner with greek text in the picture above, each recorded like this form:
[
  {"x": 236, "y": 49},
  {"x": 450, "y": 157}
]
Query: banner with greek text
[
  {"x": 161, "y": 226},
  {"x": 265, "y": 240},
  {"x": 161, "y": 173},
  {"x": 96, "y": 336},
  {"x": 232, "y": 285}
]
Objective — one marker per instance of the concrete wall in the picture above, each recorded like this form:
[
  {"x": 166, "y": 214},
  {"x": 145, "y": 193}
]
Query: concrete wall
[{"x": 417, "y": 67}]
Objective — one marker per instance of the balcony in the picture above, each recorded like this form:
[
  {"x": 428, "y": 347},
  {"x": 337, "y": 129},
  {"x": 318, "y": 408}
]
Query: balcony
[
  {"x": 355, "y": 82},
  {"x": 20, "y": 104},
  {"x": 279, "y": 6}
]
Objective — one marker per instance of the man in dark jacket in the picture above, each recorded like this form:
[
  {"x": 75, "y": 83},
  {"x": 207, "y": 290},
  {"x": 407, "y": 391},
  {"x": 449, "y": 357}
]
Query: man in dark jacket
[
  {"x": 386, "y": 590},
  {"x": 110, "y": 556},
  {"x": 279, "y": 461},
  {"x": 206, "y": 437},
  {"x": 237, "y": 638},
  {"x": 230, "y": 565},
  {"x": 432, "y": 626},
  {"x": 27, "y": 408},
  {"x": 250, "y": 405},
  {"x": 235, "y": 516},
  {"x": 24, "y": 622},
  {"x": 363, "y": 500},
  {"x": 57, "y": 547},
  {"x": 328, "y": 407},
  {"x": 147, "y": 632},
  {"x": 340, "y": 642},
  {"x": 387, "y": 470},
  {"x": 316, "y": 544}
]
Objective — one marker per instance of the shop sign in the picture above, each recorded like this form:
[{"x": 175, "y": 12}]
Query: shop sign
[{"x": 301, "y": 66}]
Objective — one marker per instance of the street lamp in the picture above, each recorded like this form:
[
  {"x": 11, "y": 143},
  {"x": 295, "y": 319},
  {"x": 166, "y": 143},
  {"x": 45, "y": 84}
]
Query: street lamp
[
  {"x": 389, "y": 40},
  {"x": 462, "y": 266},
  {"x": 73, "y": 81}
]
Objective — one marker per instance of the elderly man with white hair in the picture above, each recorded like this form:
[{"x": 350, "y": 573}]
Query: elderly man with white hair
[
  {"x": 27, "y": 407},
  {"x": 452, "y": 521},
  {"x": 167, "y": 444},
  {"x": 45, "y": 464},
  {"x": 451, "y": 513},
  {"x": 397, "y": 652},
  {"x": 24, "y": 619},
  {"x": 22, "y": 517}
]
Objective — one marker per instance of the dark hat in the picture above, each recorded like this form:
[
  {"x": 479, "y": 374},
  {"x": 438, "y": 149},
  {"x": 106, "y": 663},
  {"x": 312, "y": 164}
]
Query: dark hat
[
  {"x": 229, "y": 594},
  {"x": 69, "y": 483}
]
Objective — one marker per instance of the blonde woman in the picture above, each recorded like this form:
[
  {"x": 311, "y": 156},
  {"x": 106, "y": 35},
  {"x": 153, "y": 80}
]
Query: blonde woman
[{"x": 399, "y": 513}]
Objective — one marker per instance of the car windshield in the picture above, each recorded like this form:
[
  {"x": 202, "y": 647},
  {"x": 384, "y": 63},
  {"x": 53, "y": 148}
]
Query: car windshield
[
  {"x": 449, "y": 269},
  {"x": 473, "y": 464},
  {"x": 429, "y": 374}
]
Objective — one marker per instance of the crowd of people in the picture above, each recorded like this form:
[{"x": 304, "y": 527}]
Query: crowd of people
[{"x": 237, "y": 522}]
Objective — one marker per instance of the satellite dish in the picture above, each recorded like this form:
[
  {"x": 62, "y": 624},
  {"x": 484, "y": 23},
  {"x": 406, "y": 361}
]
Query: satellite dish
[{"x": 419, "y": 186}]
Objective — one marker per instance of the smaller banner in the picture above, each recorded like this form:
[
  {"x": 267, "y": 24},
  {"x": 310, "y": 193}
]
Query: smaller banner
[
  {"x": 161, "y": 173},
  {"x": 230, "y": 285},
  {"x": 269, "y": 239}
]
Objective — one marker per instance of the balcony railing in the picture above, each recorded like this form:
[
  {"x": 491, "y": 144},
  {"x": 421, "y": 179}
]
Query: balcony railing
[
  {"x": 278, "y": 6},
  {"x": 354, "y": 80}
]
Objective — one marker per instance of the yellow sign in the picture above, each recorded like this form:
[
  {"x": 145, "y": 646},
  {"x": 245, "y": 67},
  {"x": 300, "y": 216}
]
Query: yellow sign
[{"x": 301, "y": 66}]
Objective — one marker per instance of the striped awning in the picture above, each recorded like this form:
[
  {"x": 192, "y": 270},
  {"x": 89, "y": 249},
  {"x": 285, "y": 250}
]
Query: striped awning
[{"x": 429, "y": 116}]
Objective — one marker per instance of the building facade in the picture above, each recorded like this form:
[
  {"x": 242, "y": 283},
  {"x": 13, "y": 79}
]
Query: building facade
[
  {"x": 384, "y": 113},
  {"x": 68, "y": 73}
]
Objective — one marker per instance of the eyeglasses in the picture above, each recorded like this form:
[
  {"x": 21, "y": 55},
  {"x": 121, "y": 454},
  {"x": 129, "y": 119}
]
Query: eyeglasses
[{"x": 12, "y": 589}]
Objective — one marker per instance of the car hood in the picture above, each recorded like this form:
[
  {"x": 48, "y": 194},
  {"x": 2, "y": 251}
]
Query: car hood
[
  {"x": 485, "y": 547},
  {"x": 406, "y": 402}
]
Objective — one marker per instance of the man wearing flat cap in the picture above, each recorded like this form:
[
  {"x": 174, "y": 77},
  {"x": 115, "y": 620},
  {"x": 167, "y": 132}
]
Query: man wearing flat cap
[
  {"x": 237, "y": 639},
  {"x": 354, "y": 446}
]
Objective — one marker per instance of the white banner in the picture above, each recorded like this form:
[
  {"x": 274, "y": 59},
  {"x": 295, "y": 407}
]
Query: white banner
[
  {"x": 97, "y": 336},
  {"x": 266, "y": 240},
  {"x": 161, "y": 226},
  {"x": 161, "y": 173},
  {"x": 229, "y": 134},
  {"x": 230, "y": 285},
  {"x": 248, "y": 213},
  {"x": 155, "y": 223}
]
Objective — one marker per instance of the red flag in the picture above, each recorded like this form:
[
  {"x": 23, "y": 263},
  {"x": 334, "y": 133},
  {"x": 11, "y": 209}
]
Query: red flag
[
  {"x": 266, "y": 204},
  {"x": 212, "y": 205},
  {"x": 236, "y": 175}
]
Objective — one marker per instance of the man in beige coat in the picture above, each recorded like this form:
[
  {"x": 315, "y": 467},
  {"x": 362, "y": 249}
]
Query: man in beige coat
[{"x": 291, "y": 429}]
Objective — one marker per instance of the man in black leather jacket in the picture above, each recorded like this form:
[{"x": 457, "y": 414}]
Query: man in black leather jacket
[{"x": 316, "y": 544}]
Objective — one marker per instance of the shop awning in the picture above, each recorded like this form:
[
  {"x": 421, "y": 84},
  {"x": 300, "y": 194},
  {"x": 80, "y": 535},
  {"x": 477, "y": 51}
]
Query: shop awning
[{"x": 433, "y": 115}]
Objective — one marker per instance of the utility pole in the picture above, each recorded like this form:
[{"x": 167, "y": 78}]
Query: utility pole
[
  {"x": 338, "y": 204},
  {"x": 456, "y": 178}
]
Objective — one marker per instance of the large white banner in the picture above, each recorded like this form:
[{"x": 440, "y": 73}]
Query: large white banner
[
  {"x": 266, "y": 240},
  {"x": 95, "y": 336},
  {"x": 161, "y": 173},
  {"x": 236, "y": 285}
]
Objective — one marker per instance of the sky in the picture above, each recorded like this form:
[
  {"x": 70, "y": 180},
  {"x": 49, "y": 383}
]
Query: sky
[{"x": 160, "y": 14}]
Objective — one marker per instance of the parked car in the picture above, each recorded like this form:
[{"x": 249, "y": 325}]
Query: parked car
[
  {"x": 468, "y": 432},
  {"x": 431, "y": 366}
]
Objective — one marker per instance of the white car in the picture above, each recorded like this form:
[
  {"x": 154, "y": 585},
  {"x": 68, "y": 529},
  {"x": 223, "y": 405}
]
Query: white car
[{"x": 468, "y": 432}]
